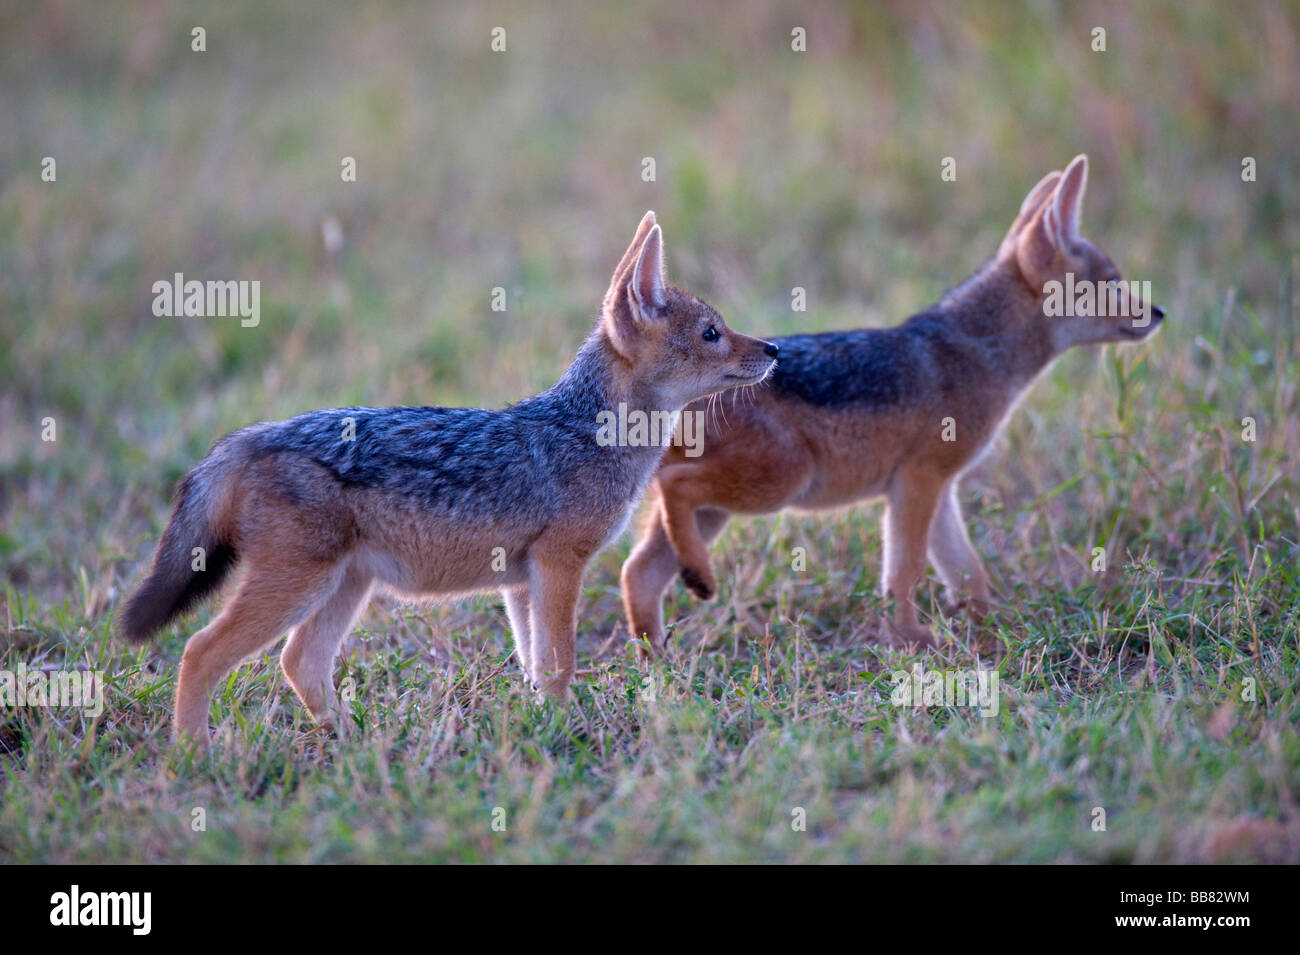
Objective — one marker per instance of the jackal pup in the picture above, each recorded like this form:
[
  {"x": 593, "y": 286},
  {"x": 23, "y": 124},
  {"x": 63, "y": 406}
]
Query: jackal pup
[
  {"x": 898, "y": 412},
  {"x": 427, "y": 501}
]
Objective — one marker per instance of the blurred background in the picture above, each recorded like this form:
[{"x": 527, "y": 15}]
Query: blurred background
[{"x": 523, "y": 169}]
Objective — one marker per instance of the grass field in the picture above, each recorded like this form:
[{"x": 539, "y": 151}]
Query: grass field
[{"x": 1163, "y": 690}]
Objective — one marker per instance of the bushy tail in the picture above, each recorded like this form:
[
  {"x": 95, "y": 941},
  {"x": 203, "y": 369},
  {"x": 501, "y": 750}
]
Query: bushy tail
[{"x": 174, "y": 585}]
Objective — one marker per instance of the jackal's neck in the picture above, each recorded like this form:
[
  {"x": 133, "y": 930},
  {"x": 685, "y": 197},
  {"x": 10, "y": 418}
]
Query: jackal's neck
[
  {"x": 997, "y": 307},
  {"x": 601, "y": 382}
]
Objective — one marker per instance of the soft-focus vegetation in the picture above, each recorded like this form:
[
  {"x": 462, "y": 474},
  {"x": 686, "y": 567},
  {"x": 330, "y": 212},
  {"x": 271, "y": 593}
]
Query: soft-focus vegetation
[{"x": 775, "y": 169}]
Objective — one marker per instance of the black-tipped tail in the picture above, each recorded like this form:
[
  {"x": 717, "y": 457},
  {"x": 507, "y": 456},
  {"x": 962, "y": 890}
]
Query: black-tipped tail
[{"x": 181, "y": 576}]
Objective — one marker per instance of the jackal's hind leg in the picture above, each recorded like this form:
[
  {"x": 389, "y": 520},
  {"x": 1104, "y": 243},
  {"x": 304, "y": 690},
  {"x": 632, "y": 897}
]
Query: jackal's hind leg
[
  {"x": 516, "y": 600},
  {"x": 265, "y": 606},
  {"x": 308, "y": 657}
]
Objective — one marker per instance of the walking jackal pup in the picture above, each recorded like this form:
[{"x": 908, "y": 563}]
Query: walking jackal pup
[
  {"x": 323, "y": 507},
  {"x": 898, "y": 412}
]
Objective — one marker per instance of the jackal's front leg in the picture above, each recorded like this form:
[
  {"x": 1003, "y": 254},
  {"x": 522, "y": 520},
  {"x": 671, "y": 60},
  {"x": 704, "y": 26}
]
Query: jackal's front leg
[
  {"x": 913, "y": 499},
  {"x": 554, "y": 586},
  {"x": 954, "y": 557},
  {"x": 679, "y": 501},
  {"x": 649, "y": 569},
  {"x": 646, "y": 573}
]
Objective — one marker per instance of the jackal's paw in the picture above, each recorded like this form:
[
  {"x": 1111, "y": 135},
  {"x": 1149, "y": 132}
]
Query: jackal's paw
[
  {"x": 976, "y": 606},
  {"x": 978, "y": 609},
  {"x": 909, "y": 637},
  {"x": 551, "y": 687},
  {"x": 700, "y": 583},
  {"x": 315, "y": 742},
  {"x": 200, "y": 744}
]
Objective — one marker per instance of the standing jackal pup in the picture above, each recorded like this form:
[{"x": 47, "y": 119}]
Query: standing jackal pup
[
  {"x": 898, "y": 412},
  {"x": 427, "y": 501}
]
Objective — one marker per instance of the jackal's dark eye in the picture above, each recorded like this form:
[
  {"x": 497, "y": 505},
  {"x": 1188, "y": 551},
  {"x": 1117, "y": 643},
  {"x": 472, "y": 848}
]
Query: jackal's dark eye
[{"x": 710, "y": 334}]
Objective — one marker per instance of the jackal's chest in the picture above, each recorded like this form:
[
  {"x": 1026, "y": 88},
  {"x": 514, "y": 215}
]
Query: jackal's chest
[{"x": 618, "y": 526}]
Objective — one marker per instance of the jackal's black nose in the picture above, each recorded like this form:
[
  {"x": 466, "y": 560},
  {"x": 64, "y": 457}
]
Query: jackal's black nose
[
  {"x": 770, "y": 350},
  {"x": 1158, "y": 312}
]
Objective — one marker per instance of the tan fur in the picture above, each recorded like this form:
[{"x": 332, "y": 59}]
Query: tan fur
[
  {"x": 765, "y": 451},
  {"x": 313, "y": 547}
]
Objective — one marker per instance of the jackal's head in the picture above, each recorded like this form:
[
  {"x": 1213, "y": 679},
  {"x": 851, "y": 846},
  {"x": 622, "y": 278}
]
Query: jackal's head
[
  {"x": 674, "y": 345},
  {"x": 1080, "y": 290}
]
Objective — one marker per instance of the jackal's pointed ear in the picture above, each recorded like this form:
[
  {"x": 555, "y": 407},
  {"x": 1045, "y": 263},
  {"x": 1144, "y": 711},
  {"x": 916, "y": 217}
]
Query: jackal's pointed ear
[
  {"x": 623, "y": 271},
  {"x": 1053, "y": 230},
  {"x": 1067, "y": 204},
  {"x": 647, "y": 288},
  {"x": 1033, "y": 201}
]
